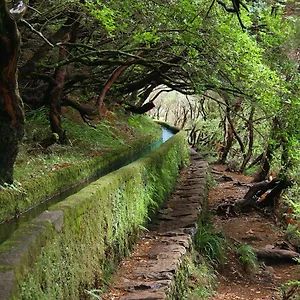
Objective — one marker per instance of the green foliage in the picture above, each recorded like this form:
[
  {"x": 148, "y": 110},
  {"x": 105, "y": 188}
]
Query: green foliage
[
  {"x": 291, "y": 209},
  {"x": 100, "y": 224},
  {"x": 291, "y": 197},
  {"x": 247, "y": 257},
  {"x": 147, "y": 38},
  {"x": 291, "y": 290},
  {"x": 202, "y": 280},
  {"x": 103, "y": 14},
  {"x": 211, "y": 182},
  {"x": 292, "y": 233},
  {"x": 210, "y": 243}
]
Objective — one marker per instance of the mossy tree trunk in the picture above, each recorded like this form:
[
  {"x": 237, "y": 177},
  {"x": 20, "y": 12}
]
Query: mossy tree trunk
[{"x": 11, "y": 110}]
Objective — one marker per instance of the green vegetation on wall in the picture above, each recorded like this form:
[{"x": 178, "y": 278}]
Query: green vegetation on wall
[
  {"x": 88, "y": 153},
  {"x": 100, "y": 222}
]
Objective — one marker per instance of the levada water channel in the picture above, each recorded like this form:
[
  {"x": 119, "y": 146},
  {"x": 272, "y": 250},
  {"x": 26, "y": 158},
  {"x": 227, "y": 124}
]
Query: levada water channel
[{"x": 9, "y": 227}]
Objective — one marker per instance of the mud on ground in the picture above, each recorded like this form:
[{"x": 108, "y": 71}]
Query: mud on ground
[{"x": 255, "y": 229}]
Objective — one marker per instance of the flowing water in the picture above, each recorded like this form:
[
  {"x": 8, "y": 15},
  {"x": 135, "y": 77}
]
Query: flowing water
[{"x": 9, "y": 227}]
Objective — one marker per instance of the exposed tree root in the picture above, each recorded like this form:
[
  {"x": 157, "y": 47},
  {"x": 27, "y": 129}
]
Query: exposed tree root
[
  {"x": 276, "y": 255},
  {"x": 260, "y": 196}
]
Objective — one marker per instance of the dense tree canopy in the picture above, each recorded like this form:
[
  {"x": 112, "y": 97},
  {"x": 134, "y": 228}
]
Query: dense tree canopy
[{"x": 91, "y": 54}]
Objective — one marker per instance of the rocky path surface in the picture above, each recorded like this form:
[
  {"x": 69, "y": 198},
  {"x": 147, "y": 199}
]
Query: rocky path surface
[{"x": 149, "y": 271}]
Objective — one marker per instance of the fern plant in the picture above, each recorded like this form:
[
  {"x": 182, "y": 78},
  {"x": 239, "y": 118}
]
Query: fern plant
[
  {"x": 247, "y": 257},
  {"x": 211, "y": 243}
]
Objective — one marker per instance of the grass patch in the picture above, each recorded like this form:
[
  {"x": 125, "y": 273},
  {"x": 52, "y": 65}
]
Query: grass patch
[
  {"x": 209, "y": 241},
  {"x": 84, "y": 142},
  {"x": 211, "y": 246},
  {"x": 247, "y": 258}
]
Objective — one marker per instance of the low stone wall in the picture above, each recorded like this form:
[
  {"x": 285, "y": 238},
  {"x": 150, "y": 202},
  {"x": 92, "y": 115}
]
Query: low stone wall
[
  {"x": 13, "y": 202},
  {"x": 163, "y": 271},
  {"x": 75, "y": 244}
]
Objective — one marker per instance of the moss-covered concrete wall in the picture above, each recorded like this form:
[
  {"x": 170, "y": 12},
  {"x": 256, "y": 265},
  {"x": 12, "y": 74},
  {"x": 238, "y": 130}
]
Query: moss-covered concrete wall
[
  {"x": 75, "y": 244},
  {"x": 15, "y": 201}
]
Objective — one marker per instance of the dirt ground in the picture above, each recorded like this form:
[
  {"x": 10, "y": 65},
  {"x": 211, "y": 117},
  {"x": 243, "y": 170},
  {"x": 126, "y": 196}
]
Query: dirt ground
[{"x": 255, "y": 229}]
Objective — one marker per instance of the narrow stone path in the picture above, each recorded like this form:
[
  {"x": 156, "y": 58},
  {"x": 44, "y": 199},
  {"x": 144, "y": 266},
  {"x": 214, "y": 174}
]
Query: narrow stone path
[{"x": 149, "y": 271}]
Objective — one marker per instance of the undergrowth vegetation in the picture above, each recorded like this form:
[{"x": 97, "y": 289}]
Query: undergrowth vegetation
[
  {"x": 210, "y": 241},
  {"x": 40, "y": 155},
  {"x": 202, "y": 278},
  {"x": 210, "y": 252},
  {"x": 291, "y": 290},
  {"x": 213, "y": 249},
  {"x": 247, "y": 258}
]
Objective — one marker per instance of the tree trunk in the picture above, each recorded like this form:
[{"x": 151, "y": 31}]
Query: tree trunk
[
  {"x": 55, "y": 104},
  {"x": 231, "y": 132},
  {"x": 273, "y": 144},
  {"x": 140, "y": 110},
  {"x": 265, "y": 165},
  {"x": 56, "y": 88},
  {"x": 11, "y": 110},
  {"x": 248, "y": 155},
  {"x": 53, "y": 98},
  {"x": 263, "y": 194},
  {"x": 227, "y": 147},
  {"x": 256, "y": 161}
]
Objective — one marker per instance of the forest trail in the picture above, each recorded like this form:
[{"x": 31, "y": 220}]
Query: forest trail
[
  {"x": 254, "y": 229},
  {"x": 149, "y": 272}
]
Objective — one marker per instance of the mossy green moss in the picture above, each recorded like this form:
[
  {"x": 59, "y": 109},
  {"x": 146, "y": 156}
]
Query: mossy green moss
[
  {"x": 18, "y": 254},
  {"x": 15, "y": 201},
  {"x": 195, "y": 278},
  {"x": 100, "y": 223},
  {"x": 179, "y": 285}
]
